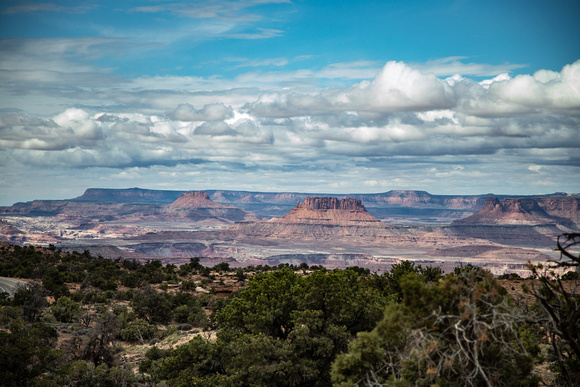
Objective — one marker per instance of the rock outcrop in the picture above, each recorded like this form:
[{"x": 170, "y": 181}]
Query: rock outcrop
[
  {"x": 315, "y": 218},
  {"x": 563, "y": 207},
  {"x": 521, "y": 211},
  {"x": 198, "y": 206},
  {"x": 9, "y": 233},
  {"x": 329, "y": 211},
  {"x": 195, "y": 199},
  {"x": 330, "y": 203}
]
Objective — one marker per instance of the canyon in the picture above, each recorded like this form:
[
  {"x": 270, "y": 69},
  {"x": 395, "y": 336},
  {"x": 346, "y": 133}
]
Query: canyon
[{"x": 256, "y": 228}]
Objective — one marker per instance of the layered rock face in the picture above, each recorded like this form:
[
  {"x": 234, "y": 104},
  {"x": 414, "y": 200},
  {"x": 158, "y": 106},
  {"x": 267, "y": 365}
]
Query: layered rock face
[
  {"x": 523, "y": 211},
  {"x": 316, "y": 218},
  {"x": 195, "y": 199},
  {"x": 330, "y": 203},
  {"x": 563, "y": 207},
  {"x": 329, "y": 211}
]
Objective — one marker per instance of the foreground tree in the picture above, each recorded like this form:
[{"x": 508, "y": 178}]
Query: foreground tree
[
  {"x": 152, "y": 305},
  {"x": 31, "y": 300},
  {"x": 27, "y": 351},
  {"x": 283, "y": 329},
  {"x": 99, "y": 348},
  {"x": 460, "y": 331},
  {"x": 559, "y": 302}
]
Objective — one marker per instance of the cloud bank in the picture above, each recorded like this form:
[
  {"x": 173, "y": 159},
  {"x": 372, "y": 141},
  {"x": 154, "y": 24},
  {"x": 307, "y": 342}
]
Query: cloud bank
[{"x": 452, "y": 132}]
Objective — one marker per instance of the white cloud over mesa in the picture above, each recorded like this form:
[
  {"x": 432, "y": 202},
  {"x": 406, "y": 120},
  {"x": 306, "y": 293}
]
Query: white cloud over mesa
[{"x": 429, "y": 128}]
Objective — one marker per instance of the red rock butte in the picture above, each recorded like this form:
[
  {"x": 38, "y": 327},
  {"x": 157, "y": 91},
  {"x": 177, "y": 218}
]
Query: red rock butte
[
  {"x": 330, "y": 211},
  {"x": 524, "y": 211},
  {"x": 195, "y": 199}
]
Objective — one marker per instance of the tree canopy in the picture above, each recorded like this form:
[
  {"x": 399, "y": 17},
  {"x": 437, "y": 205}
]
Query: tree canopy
[{"x": 460, "y": 331}]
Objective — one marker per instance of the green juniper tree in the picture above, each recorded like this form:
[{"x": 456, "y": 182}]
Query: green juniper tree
[
  {"x": 283, "y": 329},
  {"x": 460, "y": 331}
]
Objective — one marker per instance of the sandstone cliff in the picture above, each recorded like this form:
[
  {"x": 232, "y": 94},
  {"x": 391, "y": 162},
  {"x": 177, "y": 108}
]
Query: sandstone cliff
[
  {"x": 525, "y": 211},
  {"x": 195, "y": 199},
  {"x": 315, "y": 218},
  {"x": 564, "y": 207},
  {"x": 329, "y": 211}
]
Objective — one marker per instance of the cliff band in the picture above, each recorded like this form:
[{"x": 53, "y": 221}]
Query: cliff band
[{"x": 329, "y": 211}]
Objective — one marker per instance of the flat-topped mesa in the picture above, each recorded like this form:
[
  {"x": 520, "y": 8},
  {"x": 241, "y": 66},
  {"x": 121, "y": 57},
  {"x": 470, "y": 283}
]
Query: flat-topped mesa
[
  {"x": 330, "y": 203},
  {"x": 330, "y": 211},
  {"x": 194, "y": 199},
  {"x": 128, "y": 195}
]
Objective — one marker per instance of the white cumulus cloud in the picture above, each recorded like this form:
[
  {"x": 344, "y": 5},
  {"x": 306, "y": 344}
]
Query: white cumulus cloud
[{"x": 211, "y": 112}]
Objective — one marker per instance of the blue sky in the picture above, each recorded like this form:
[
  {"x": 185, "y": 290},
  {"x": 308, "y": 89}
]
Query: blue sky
[{"x": 451, "y": 97}]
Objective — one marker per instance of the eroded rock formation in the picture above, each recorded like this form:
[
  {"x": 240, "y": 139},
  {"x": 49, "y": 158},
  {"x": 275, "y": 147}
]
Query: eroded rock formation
[
  {"x": 564, "y": 207},
  {"x": 195, "y": 199},
  {"x": 330, "y": 203},
  {"x": 525, "y": 211},
  {"x": 329, "y": 211}
]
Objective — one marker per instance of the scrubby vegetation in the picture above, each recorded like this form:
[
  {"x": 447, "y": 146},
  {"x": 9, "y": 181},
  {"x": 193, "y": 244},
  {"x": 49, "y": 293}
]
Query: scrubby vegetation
[{"x": 85, "y": 320}]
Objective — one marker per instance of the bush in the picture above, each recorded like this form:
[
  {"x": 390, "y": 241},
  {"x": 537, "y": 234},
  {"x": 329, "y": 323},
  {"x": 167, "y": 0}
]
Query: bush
[
  {"x": 152, "y": 306},
  {"x": 198, "y": 318},
  {"x": 181, "y": 313},
  {"x": 185, "y": 327},
  {"x": 65, "y": 310},
  {"x": 138, "y": 330},
  {"x": 510, "y": 276},
  {"x": 571, "y": 276},
  {"x": 83, "y": 373},
  {"x": 223, "y": 266},
  {"x": 153, "y": 354},
  {"x": 188, "y": 285},
  {"x": 132, "y": 280},
  {"x": 240, "y": 275}
]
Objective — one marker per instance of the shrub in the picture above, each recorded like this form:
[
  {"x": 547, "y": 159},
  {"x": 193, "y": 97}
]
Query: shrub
[
  {"x": 65, "y": 310},
  {"x": 138, "y": 330}
]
